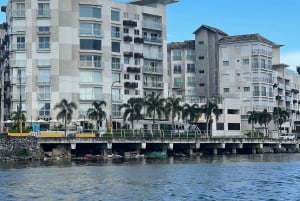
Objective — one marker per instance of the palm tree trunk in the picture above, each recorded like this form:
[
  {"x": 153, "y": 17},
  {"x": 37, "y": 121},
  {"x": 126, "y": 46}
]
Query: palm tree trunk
[
  {"x": 153, "y": 120},
  {"x": 65, "y": 126},
  {"x": 132, "y": 127}
]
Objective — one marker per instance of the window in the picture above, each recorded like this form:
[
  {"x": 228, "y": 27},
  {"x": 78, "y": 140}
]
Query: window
[
  {"x": 136, "y": 16},
  {"x": 44, "y": 93},
  {"x": 44, "y": 42},
  {"x": 137, "y": 61},
  {"x": 90, "y": 29},
  {"x": 20, "y": 43},
  {"x": 126, "y": 60},
  {"x": 126, "y": 91},
  {"x": 137, "y": 77},
  {"x": 178, "y": 82},
  {"x": 220, "y": 126},
  {"x": 177, "y": 55},
  {"x": 225, "y": 63},
  {"x": 255, "y": 63},
  {"x": 43, "y": 10},
  {"x": 116, "y": 95},
  {"x": 271, "y": 92},
  {"x": 201, "y": 42},
  {"x": 126, "y": 30},
  {"x": 90, "y": 93},
  {"x": 246, "y": 89},
  {"x": 233, "y": 126},
  {"x": 263, "y": 91},
  {"x": 90, "y": 44},
  {"x": 20, "y": 11},
  {"x": 116, "y": 65},
  {"x": 136, "y": 32},
  {"x": 115, "y": 46},
  {"x": 245, "y": 61},
  {"x": 191, "y": 81},
  {"x": 137, "y": 92},
  {"x": 190, "y": 54},
  {"x": 190, "y": 68},
  {"x": 125, "y": 14},
  {"x": 269, "y": 64},
  {"x": 263, "y": 63},
  {"x": 126, "y": 76},
  {"x": 90, "y": 77},
  {"x": 201, "y": 84},
  {"x": 44, "y": 109},
  {"x": 90, "y": 61},
  {"x": 89, "y": 11},
  {"x": 44, "y": 76},
  {"x": 201, "y": 58},
  {"x": 201, "y": 71},
  {"x": 43, "y": 29},
  {"x": 226, "y": 90},
  {"x": 115, "y": 77},
  {"x": 177, "y": 69},
  {"x": 115, "y": 15},
  {"x": 115, "y": 32},
  {"x": 256, "y": 91}
]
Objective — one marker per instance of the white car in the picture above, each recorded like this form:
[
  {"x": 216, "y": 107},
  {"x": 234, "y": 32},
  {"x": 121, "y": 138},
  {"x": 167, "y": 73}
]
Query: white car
[{"x": 288, "y": 136}]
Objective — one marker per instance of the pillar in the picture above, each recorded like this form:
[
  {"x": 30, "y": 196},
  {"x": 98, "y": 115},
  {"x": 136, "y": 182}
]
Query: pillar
[
  {"x": 73, "y": 146},
  {"x": 253, "y": 150},
  {"x": 215, "y": 151},
  {"x": 234, "y": 150}
]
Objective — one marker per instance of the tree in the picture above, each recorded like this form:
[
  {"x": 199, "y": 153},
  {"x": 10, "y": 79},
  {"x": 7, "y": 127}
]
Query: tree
[
  {"x": 66, "y": 111},
  {"x": 264, "y": 118},
  {"x": 154, "y": 105},
  {"x": 18, "y": 117},
  {"x": 133, "y": 109},
  {"x": 252, "y": 119},
  {"x": 190, "y": 112},
  {"x": 97, "y": 113},
  {"x": 280, "y": 116},
  {"x": 209, "y": 109},
  {"x": 173, "y": 107}
]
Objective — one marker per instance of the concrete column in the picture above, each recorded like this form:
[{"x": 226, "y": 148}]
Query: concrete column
[
  {"x": 73, "y": 146},
  {"x": 143, "y": 145},
  {"x": 190, "y": 151},
  {"x": 109, "y": 145},
  {"x": 253, "y": 150},
  {"x": 215, "y": 151},
  {"x": 171, "y": 146},
  {"x": 234, "y": 150}
]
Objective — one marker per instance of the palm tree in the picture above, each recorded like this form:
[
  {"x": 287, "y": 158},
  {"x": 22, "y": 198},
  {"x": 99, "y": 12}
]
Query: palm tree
[
  {"x": 154, "y": 105},
  {"x": 18, "y": 117},
  {"x": 173, "y": 107},
  {"x": 252, "y": 119},
  {"x": 66, "y": 111},
  {"x": 191, "y": 111},
  {"x": 133, "y": 109},
  {"x": 264, "y": 118},
  {"x": 209, "y": 109},
  {"x": 97, "y": 113},
  {"x": 280, "y": 116}
]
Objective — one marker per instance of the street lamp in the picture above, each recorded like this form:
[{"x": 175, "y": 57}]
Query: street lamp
[{"x": 111, "y": 105}]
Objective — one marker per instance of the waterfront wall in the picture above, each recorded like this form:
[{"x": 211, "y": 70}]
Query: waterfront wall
[{"x": 19, "y": 148}]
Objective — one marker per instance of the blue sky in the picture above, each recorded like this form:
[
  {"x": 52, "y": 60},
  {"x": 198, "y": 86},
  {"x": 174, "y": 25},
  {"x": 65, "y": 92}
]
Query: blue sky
[{"x": 277, "y": 20}]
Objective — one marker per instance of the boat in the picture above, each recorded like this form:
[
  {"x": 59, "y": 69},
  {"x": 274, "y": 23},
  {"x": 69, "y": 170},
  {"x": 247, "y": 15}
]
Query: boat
[{"x": 156, "y": 154}]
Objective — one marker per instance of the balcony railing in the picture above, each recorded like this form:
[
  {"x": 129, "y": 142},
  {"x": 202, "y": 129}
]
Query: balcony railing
[
  {"x": 16, "y": 96},
  {"x": 117, "y": 98},
  {"x": 117, "y": 66},
  {"x": 18, "y": 13},
  {"x": 153, "y": 40},
  {"x": 116, "y": 35},
  {"x": 152, "y": 25},
  {"x": 153, "y": 84},
  {"x": 157, "y": 56},
  {"x": 43, "y": 13},
  {"x": 91, "y": 64},
  {"x": 152, "y": 69},
  {"x": 91, "y": 33},
  {"x": 17, "y": 47},
  {"x": 44, "y": 96}
]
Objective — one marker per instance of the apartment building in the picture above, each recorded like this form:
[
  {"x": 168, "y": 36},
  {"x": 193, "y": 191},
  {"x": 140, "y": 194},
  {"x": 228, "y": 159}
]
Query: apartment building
[
  {"x": 243, "y": 70},
  {"x": 83, "y": 51}
]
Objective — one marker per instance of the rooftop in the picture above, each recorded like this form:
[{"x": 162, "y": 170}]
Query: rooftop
[{"x": 246, "y": 37}]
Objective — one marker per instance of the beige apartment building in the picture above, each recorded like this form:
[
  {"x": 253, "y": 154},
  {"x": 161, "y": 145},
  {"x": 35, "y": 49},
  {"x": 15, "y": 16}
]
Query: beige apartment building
[{"x": 83, "y": 51}]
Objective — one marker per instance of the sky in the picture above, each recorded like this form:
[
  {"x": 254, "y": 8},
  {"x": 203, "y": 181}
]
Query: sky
[{"x": 276, "y": 20}]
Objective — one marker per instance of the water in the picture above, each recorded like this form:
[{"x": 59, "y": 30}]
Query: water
[{"x": 243, "y": 177}]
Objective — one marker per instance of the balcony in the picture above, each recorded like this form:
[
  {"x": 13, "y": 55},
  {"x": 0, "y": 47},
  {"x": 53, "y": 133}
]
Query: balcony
[
  {"x": 91, "y": 33},
  {"x": 131, "y": 85},
  {"x": 117, "y": 66},
  {"x": 153, "y": 69},
  {"x": 18, "y": 13},
  {"x": 153, "y": 40},
  {"x": 155, "y": 56},
  {"x": 91, "y": 64},
  {"x": 43, "y": 81},
  {"x": 138, "y": 55},
  {"x": 153, "y": 85},
  {"x": 177, "y": 84},
  {"x": 133, "y": 70},
  {"x": 129, "y": 23},
  {"x": 127, "y": 39},
  {"x": 128, "y": 54},
  {"x": 288, "y": 88},
  {"x": 44, "y": 96},
  {"x": 138, "y": 40},
  {"x": 43, "y": 13},
  {"x": 148, "y": 24}
]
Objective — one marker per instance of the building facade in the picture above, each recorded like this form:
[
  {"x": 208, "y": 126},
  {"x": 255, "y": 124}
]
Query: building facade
[{"x": 82, "y": 51}]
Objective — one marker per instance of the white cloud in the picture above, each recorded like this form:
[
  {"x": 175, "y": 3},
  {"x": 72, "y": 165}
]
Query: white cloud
[{"x": 290, "y": 58}]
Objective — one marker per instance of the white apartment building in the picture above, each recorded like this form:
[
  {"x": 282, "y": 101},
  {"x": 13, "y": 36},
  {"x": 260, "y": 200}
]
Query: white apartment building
[{"x": 83, "y": 51}]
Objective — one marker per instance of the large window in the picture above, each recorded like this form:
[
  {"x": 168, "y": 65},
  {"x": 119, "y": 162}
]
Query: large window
[
  {"x": 90, "y": 29},
  {"x": 190, "y": 68},
  {"x": 90, "y": 61},
  {"x": 116, "y": 65},
  {"x": 20, "y": 42},
  {"x": 115, "y": 46},
  {"x": 90, "y": 44},
  {"x": 43, "y": 76},
  {"x": 43, "y": 10},
  {"x": 90, "y": 93},
  {"x": 116, "y": 95},
  {"x": 115, "y": 77},
  {"x": 90, "y": 77},
  {"x": 89, "y": 11},
  {"x": 256, "y": 91},
  {"x": 177, "y": 69},
  {"x": 178, "y": 82},
  {"x": 191, "y": 81},
  {"x": 43, "y": 29},
  {"x": 115, "y": 15},
  {"x": 44, "y": 93},
  {"x": 20, "y": 11},
  {"x": 44, "y": 109},
  {"x": 115, "y": 32},
  {"x": 177, "y": 55},
  {"x": 44, "y": 42}
]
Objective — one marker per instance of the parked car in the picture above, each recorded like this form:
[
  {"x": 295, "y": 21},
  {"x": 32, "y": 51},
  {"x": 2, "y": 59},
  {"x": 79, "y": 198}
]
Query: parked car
[{"x": 288, "y": 136}]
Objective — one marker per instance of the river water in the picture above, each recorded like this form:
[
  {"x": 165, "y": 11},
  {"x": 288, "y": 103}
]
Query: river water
[{"x": 241, "y": 177}]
